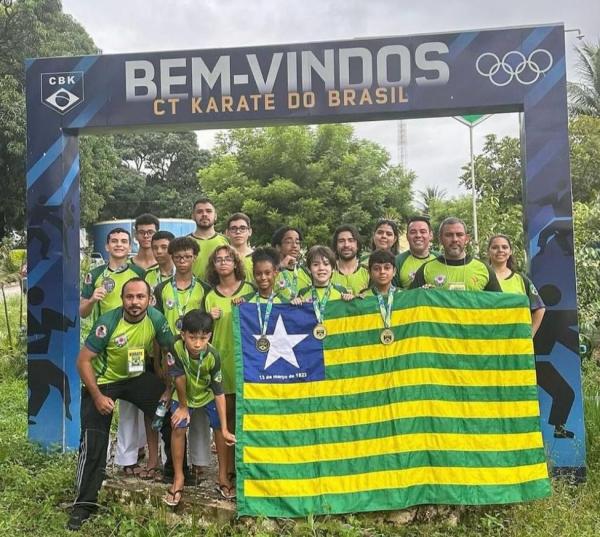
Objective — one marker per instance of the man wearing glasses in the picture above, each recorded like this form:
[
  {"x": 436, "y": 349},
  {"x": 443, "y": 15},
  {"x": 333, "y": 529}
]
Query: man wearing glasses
[
  {"x": 239, "y": 231},
  {"x": 146, "y": 225}
]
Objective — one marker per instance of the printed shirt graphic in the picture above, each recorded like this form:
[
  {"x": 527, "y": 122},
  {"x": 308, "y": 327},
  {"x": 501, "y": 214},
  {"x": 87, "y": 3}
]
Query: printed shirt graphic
[
  {"x": 166, "y": 304},
  {"x": 407, "y": 266},
  {"x": 355, "y": 282},
  {"x": 520, "y": 284},
  {"x": 112, "y": 337},
  {"x": 222, "y": 338},
  {"x": 207, "y": 247},
  {"x": 202, "y": 378},
  {"x": 284, "y": 284},
  {"x": 112, "y": 300},
  {"x": 442, "y": 273},
  {"x": 447, "y": 413}
]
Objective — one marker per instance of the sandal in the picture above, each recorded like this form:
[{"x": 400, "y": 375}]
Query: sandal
[
  {"x": 150, "y": 474},
  {"x": 226, "y": 492},
  {"x": 132, "y": 470},
  {"x": 171, "y": 498}
]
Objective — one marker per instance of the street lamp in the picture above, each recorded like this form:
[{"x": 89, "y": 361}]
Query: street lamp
[{"x": 472, "y": 121}]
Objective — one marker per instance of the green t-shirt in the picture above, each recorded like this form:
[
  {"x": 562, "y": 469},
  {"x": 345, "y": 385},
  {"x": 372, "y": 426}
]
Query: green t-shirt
[
  {"x": 406, "y": 267},
  {"x": 113, "y": 281},
  {"x": 355, "y": 282},
  {"x": 117, "y": 342},
  {"x": 154, "y": 276},
  {"x": 248, "y": 267},
  {"x": 466, "y": 274},
  {"x": 372, "y": 291},
  {"x": 289, "y": 282},
  {"x": 252, "y": 298},
  {"x": 202, "y": 375},
  {"x": 175, "y": 305},
  {"x": 522, "y": 285},
  {"x": 334, "y": 294},
  {"x": 207, "y": 247},
  {"x": 222, "y": 337}
]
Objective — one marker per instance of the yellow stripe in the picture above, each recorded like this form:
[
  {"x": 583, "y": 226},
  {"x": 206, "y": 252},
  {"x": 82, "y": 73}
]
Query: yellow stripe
[
  {"x": 383, "y": 413},
  {"x": 425, "y": 344},
  {"x": 431, "y": 314},
  {"x": 383, "y": 381},
  {"x": 398, "y": 479},
  {"x": 402, "y": 443}
]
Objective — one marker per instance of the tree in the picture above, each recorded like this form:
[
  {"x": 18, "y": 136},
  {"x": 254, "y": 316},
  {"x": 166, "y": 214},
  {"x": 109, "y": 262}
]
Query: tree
[
  {"x": 584, "y": 96},
  {"x": 28, "y": 29},
  {"x": 311, "y": 177},
  {"x": 159, "y": 174},
  {"x": 584, "y": 137},
  {"x": 430, "y": 197}
]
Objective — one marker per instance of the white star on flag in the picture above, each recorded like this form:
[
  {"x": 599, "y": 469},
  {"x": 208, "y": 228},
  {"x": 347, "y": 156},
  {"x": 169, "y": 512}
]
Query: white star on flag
[{"x": 282, "y": 345}]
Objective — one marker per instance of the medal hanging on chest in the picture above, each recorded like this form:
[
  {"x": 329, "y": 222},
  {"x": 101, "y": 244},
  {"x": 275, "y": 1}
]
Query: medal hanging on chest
[
  {"x": 319, "y": 331},
  {"x": 262, "y": 343},
  {"x": 386, "y": 336},
  {"x": 181, "y": 309}
]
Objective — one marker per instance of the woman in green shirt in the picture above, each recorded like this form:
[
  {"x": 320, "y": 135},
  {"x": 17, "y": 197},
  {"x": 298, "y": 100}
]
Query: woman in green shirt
[
  {"x": 225, "y": 273},
  {"x": 501, "y": 259}
]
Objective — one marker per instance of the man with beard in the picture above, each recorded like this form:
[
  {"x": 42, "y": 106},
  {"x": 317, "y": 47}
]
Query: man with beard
[
  {"x": 454, "y": 270},
  {"x": 419, "y": 235},
  {"x": 348, "y": 272},
  {"x": 205, "y": 216},
  {"x": 111, "y": 365}
]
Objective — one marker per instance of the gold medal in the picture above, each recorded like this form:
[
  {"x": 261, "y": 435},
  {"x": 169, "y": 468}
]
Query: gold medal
[
  {"x": 263, "y": 344},
  {"x": 386, "y": 336},
  {"x": 320, "y": 332}
]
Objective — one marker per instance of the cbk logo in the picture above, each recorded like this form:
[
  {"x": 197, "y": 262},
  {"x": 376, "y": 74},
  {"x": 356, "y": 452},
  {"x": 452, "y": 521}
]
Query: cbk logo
[{"x": 62, "y": 91}]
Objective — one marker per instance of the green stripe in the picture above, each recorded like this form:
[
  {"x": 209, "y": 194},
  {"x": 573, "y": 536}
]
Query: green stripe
[
  {"x": 393, "y": 395},
  {"x": 491, "y": 333},
  {"x": 395, "y": 461},
  {"x": 426, "y": 297},
  {"x": 309, "y": 437},
  {"x": 391, "y": 499},
  {"x": 366, "y": 368}
]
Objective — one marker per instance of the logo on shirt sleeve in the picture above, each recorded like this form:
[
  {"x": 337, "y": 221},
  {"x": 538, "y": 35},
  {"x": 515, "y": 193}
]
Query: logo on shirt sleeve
[
  {"x": 170, "y": 360},
  {"x": 101, "y": 331},
  {"x": 88, "y": 278}
]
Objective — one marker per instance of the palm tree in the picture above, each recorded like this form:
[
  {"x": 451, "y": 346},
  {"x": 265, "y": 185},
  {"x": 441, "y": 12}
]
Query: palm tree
[
  {"x": 584, "y": 96},
  {"x": 430, "y": 196}
]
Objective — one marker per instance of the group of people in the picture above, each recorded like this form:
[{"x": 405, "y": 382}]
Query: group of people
[{"x": 163, "y": 329}]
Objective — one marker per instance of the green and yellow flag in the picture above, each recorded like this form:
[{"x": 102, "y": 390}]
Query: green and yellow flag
[{"x": 447, "y": 413}]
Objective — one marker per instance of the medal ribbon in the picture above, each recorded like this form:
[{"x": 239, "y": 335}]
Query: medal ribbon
[
  {"x": 386, "y": 310},
  {"x": 181, "y": 311},
  {"x": 263, "y": 326},
  {"x": 319, "y": 305},
  {"x": 189, "y": 361}
]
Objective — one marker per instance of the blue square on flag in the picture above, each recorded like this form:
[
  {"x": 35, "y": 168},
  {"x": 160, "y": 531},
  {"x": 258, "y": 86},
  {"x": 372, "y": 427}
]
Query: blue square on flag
[{"x": 293, "y": 354}]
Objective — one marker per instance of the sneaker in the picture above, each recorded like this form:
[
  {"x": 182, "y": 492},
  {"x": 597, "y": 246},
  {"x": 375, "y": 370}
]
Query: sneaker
[{"x": 78, "y": 516}]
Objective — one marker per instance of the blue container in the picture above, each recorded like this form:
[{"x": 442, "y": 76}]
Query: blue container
[{"x": 177, "y": 226}]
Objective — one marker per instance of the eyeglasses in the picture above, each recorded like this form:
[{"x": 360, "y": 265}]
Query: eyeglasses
[
  {"x": 238, "y": 229},
  {"x": 180, "y": 258},
  {"x": 145, "y": 232},
  {"x": 223, "y": 260}
]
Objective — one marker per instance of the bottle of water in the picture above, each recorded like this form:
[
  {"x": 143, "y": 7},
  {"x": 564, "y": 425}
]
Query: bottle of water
[{"x": 159, "y": 415}]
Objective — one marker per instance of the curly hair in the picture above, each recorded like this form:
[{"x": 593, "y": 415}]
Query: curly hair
[{"x": 212, "y": 276}]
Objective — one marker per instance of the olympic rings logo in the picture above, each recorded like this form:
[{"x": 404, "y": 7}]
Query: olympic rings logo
[{"x": 514, "y": 65}]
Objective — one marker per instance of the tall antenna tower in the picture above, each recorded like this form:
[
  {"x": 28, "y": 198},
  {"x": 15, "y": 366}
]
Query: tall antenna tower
[{"x": 402, "y": 141}]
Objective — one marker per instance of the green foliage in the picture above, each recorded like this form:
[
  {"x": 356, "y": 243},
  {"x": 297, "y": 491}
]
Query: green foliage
[
  {"x": 28, "y": 29},
  {"x": 311, "y": 177},
  {"x": 584, "y": 96},
  {"x": 584, "y": 137}
]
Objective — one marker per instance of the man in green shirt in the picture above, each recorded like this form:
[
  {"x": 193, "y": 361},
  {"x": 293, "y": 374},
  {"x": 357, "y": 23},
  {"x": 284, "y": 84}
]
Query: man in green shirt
[
  {"x": 348, "y": 272},
  {"x": 111, "y": 365},
  {"x": 419, "y": 236},
  {"x": 102, "y": 285},
  {"x": 205, "y": 216},
  {"x": 145, "y": 226},
  {"x": 454, "y": 270},
  {"x": 238, "y": 230},
  {"x": 292, "y": 275}
]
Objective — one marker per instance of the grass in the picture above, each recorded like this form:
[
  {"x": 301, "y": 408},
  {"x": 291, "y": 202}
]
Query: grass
[{"x": 36, "y": 489}]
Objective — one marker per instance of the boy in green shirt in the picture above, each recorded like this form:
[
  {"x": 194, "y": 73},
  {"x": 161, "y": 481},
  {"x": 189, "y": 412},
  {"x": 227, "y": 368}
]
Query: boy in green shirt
[{"x": 195, "y": 366}]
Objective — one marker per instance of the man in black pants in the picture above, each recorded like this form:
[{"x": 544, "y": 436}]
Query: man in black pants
[{"x": 111, "y": 365}]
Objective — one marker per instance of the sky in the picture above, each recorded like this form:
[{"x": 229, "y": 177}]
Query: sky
[{"x": 435, "y": 149}]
